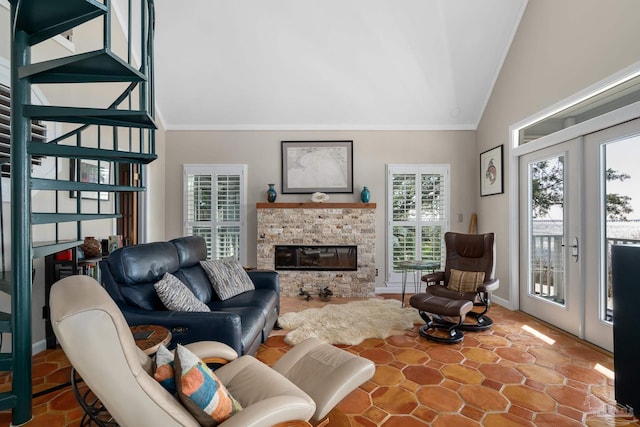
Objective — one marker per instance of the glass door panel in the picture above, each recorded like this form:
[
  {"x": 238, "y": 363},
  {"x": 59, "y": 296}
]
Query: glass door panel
[
  {"x": 546, "y": 213},
  {"x": 550, "y": 217},
  {"x": 612, "y": 197}
]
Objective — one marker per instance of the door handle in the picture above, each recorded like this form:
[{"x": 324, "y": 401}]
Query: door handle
[{"x": 574, "y": 249}]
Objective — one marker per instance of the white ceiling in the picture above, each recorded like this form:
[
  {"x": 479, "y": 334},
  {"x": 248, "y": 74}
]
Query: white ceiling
[{"x": 330, "y": 64}]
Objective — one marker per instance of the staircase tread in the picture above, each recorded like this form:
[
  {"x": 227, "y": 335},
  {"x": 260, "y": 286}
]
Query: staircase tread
[
  {"x": 64, "y": 185},
  {"x": 44, "y": 19},
  {"x": 97, "y": 66},
  {"x": 52, "y": 217},
  {"x": 8, "y": 400},
  {"x": 73, "y": 152},
  {"x": 98, "y": 116},
  {"x": 41, "y": 249}
]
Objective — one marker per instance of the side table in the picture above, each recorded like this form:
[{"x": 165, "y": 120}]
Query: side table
[
  {"x": 417, "y": 266},
  {"x": 153, "y": 337}
]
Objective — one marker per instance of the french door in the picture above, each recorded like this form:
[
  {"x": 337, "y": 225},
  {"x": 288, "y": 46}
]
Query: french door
[
  {"x": 550, "y": 235},
  {"x": 578, "y": 198},
  {"x": 612, "y": 216}
]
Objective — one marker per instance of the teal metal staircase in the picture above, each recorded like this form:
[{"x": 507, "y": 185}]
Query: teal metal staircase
[{"x": 119, "y": 135}]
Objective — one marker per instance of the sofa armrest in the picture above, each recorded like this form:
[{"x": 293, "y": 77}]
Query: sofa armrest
[
  {"x": 187, "y": 327},
  {"x": 265, "y": 279}
]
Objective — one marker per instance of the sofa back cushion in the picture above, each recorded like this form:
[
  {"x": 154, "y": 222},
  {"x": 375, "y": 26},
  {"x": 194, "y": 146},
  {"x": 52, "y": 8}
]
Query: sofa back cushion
[
  {"x": 138, "y": 268},
  {"x": 191, "y": 250}
]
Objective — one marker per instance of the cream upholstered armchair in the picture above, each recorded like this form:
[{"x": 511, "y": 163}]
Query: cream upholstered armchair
[{"x": 98, "y": 342}]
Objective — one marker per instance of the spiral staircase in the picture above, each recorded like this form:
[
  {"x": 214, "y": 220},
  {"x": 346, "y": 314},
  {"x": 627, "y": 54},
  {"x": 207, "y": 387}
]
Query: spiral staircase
[{"x": 118, "y": 136}]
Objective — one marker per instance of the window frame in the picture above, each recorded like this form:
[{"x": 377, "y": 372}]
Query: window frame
[
  {"x": 394, "y": 278},
  {"x": 215, "y": 170}
]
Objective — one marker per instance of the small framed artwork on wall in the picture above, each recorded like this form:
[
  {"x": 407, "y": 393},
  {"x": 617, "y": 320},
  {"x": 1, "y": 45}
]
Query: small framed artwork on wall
[{"x": 491, "y": 173}]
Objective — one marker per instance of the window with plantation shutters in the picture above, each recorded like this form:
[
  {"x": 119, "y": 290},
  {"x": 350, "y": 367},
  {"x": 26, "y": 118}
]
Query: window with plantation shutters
[
  {"x": 215, "y": 208},
  {"x": 38, "y": 132},
  {"x": 418, "y": 203}
]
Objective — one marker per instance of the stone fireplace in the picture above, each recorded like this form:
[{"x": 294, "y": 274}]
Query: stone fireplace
[{"x": 317, "y": 234}]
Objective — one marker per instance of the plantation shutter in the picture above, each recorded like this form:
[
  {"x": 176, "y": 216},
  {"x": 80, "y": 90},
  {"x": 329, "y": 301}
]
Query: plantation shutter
[
  {"x": 38, "y": 132},
  {"x": 418, "y": 200},
  {"x": 215, "y": 207}
]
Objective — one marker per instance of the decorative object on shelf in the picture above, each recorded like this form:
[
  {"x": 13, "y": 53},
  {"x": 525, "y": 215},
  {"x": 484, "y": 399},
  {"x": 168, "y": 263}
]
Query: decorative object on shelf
[
  {"x": 365, "y": 195},
  {"x": 310, "y": 166},
  {"x": 114, "y": 242},
  {"x": 318, "y": 197},
  {"x": 325, "y": 294},
  {"x": 271, "y": 193},
  {"x": 91, "y": 247},
  {"x": 307, "y": 296}
]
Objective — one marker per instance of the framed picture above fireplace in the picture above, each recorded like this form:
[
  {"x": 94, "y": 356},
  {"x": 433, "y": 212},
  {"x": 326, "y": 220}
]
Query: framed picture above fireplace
[{"x": 317, "y": 166}]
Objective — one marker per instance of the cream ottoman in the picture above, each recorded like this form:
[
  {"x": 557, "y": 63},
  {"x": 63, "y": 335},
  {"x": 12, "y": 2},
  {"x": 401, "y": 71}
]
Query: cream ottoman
[{"x": 326, "y": 373}]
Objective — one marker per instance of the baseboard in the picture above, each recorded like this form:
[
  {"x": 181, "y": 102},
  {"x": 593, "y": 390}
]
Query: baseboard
[
  {"x": 38, "y": 346},
  {"x": 389, "y": 290},
  {"x": 502, "y": 302}
]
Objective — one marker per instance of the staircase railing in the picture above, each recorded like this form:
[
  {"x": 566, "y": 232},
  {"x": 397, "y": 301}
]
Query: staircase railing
[{"x": 32, "y": 22}]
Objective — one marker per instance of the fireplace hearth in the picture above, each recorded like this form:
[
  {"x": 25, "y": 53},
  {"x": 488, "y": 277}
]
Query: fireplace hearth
[{"x": 316, "y": 257}]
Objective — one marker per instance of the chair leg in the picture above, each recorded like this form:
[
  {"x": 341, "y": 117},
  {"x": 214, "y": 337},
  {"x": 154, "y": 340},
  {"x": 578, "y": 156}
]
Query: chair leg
[{"x": 455, "y": 335}]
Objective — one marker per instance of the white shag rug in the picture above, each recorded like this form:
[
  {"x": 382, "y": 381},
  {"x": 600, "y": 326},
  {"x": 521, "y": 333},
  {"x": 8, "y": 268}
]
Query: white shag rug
[{"x": 349, "y": 323}]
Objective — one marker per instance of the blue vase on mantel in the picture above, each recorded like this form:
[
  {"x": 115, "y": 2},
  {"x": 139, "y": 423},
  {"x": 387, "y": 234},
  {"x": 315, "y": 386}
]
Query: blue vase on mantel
[
  {"x": 365, "y": 195},
  {"x": 271, "y": 193}
]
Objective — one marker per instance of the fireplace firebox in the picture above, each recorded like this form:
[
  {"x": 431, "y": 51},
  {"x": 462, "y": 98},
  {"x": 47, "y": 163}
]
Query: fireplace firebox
[{"x": 316, "y": 257}]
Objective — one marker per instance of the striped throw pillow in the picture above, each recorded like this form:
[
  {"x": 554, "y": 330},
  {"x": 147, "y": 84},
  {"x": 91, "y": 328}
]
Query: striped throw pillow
[
  {"x": 227, "y": 277},
  {"x": 176, "y": 296},
  {"x": 465, "y": 281}
]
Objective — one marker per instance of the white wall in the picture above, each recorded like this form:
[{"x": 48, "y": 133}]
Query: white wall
[
  {"x": 561, "y": 47},
  {"x": 372, "y": 150}
]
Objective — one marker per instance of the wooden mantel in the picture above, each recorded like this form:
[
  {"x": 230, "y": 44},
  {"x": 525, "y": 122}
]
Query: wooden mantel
[{"x": 311, "y": 205}]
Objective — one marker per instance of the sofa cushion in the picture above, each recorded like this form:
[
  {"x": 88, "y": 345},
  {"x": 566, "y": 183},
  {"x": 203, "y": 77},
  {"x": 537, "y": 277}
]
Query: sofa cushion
[
  {"x": 191, "y": 250},
  {"x": 176, "y": 296},
  {"x": 228, "y": 278},
  {"x": 137, "y": 268},
  {"x": 197, "y": 281},
  {"x": 200, "y": 390}
]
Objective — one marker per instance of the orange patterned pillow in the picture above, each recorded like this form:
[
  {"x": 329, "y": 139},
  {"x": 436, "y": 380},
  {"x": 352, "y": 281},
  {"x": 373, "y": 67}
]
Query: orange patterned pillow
[
  {"x": 465, "y": 281},
  {"x": 200, "y": 390}
]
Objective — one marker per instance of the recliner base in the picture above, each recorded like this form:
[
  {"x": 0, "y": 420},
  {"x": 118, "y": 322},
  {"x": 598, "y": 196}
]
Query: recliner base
[
  {"x": 455, "y": 336},
  {"x": 482, "y": 322}
]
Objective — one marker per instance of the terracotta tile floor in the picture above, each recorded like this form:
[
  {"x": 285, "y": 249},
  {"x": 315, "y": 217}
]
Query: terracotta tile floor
[{"x": 502, "y": 377}]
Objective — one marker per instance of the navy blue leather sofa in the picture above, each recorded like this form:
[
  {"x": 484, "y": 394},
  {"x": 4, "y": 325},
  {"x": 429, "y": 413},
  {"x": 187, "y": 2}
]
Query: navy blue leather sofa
[{"x": 242, "y": 322}]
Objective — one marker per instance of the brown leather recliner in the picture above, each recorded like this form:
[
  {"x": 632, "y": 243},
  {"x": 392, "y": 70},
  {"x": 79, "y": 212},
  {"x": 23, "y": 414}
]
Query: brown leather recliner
[{"x": 472, "y": 253}]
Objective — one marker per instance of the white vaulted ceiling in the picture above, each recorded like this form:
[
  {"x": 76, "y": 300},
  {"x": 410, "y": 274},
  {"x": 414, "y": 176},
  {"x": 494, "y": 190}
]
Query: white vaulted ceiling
[{"x": 330, "y": 64}]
